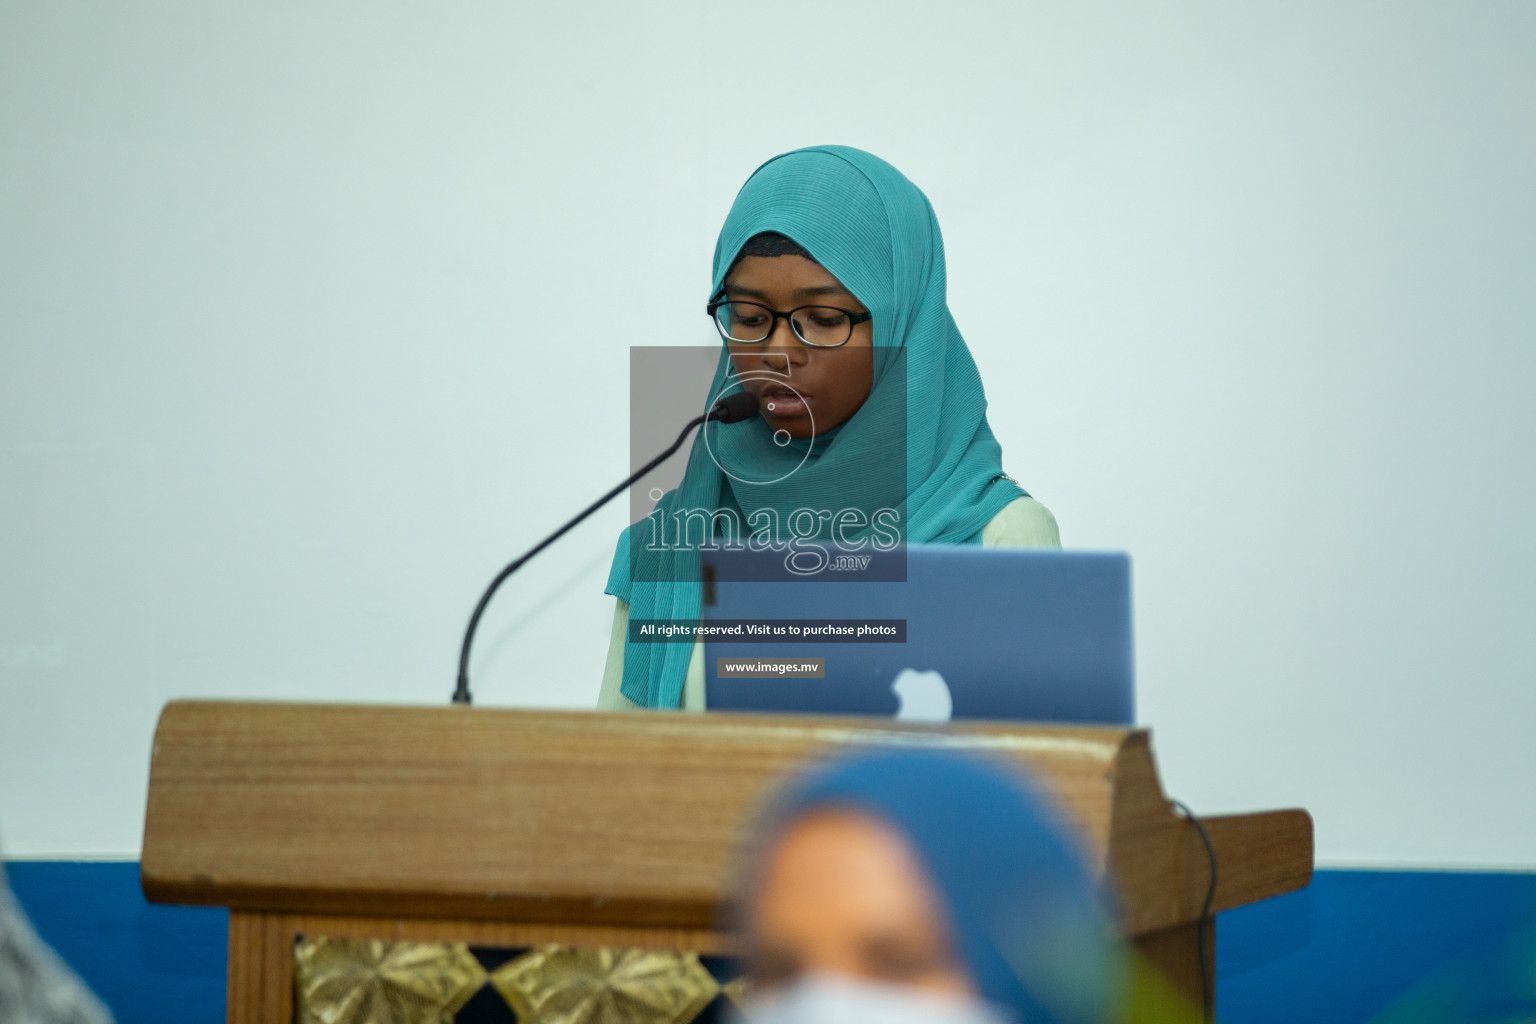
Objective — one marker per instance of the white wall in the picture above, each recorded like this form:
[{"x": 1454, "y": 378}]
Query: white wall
[{"x": 291, "y": 357}]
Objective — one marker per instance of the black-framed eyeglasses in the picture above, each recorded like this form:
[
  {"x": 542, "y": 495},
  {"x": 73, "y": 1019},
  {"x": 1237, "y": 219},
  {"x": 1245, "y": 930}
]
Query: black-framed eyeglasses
[{"x": 751, "y": 323}]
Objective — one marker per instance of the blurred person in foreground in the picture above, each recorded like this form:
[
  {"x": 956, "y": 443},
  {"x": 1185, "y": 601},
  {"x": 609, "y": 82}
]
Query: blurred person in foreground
[
  {"x": 36, "y": 987},
  {"x": 926, "y": 886}
]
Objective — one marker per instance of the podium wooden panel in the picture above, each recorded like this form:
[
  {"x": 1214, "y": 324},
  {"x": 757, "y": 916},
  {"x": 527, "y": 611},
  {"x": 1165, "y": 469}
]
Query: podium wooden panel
[{"x": 518, "y": 827}]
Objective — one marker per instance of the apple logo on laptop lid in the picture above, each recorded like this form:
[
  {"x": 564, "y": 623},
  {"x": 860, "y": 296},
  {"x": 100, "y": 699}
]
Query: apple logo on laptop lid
[{"x": 923, "y": 696}]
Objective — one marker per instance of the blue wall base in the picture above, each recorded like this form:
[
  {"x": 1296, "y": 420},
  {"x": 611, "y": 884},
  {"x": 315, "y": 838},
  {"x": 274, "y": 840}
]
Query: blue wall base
[
  {"x": 1389, "y": 947},
  {"x": 1381, "y": 946},
  {"x": 146, "y": 961}
]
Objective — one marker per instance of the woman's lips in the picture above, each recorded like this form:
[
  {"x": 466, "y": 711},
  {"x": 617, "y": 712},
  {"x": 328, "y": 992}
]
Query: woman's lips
[{"x": 783, "y": 403}]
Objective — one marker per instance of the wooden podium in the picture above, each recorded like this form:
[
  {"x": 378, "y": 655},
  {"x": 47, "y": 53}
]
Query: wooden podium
[{"x": 519, "y": 828}]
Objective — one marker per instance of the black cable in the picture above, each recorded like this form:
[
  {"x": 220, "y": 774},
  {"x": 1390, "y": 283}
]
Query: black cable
[{"x": 1207, "y": 983}]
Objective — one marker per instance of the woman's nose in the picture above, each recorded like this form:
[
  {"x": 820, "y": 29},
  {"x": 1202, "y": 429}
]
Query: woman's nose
[{"x": 783, "y": 344}]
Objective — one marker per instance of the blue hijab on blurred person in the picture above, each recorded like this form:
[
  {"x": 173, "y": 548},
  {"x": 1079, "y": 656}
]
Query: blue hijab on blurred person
[{"x": 1014, "y": 901}]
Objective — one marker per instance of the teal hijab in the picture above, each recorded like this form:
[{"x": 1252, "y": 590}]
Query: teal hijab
[{"x": 874, "y": 231}]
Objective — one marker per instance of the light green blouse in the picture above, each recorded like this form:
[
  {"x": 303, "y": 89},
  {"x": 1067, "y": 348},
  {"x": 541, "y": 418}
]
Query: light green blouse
[{"x": 1022, "y": 523}]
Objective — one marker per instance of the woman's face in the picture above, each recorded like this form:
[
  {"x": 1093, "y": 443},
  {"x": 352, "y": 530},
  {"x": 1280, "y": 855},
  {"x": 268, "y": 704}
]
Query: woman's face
[
  {"x": 804, "y": 390},
  {"x": 842, "y": 894}
]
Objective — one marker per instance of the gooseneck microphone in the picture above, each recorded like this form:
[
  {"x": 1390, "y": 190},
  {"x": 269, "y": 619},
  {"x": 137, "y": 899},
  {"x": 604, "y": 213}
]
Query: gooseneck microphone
[{"x": 740, "y": 406}]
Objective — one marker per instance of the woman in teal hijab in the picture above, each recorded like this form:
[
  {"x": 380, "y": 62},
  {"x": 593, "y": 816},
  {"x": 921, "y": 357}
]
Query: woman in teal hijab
[{"x": 829, "y": 293}]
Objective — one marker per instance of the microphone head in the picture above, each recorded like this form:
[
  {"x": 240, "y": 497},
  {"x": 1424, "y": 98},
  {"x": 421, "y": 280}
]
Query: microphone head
[{"x": 735, "y": 408}]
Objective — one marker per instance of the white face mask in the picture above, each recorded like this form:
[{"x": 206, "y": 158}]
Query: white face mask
[{"x": 835, "y": 999}]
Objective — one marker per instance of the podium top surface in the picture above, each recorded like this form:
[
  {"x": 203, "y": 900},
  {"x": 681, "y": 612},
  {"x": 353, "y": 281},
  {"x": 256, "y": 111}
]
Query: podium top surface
[{"x": 591, "y": 817}]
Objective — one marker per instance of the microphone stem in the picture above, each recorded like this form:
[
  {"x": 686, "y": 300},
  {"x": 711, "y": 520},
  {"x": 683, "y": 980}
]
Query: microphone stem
[{"x": 461, "y": 692}]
